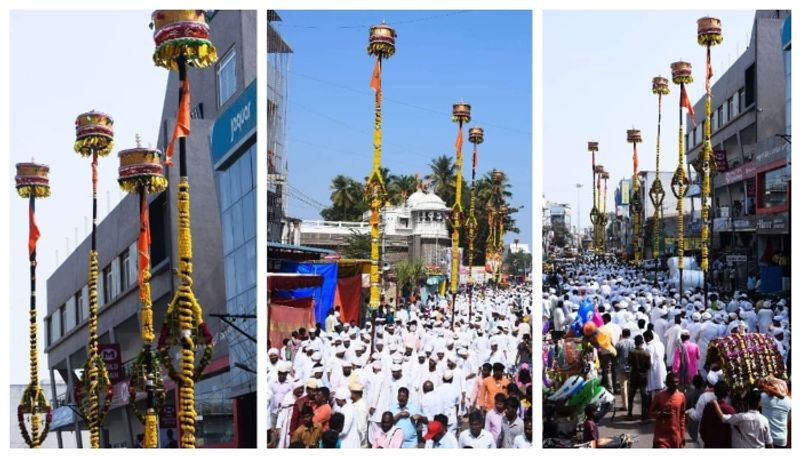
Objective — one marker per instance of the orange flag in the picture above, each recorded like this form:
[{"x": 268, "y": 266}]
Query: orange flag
[
  {"x": 33, "y": 232},
  {"x": 459, "y": 144},
  {"x": 375, "y": 82},
  {"x": 143, "y": 245},
  {"x": 181, "y": 122},
  {"x": 687, "y": 104}
]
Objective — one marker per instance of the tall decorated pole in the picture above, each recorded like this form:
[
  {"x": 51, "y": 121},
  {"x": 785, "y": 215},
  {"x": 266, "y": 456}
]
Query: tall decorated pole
[
  {"x": 660, "y": 88},
  {"x": 491, "y": 215},
  {"x": 494, "y": 225},
  {"x": 476, "y": 138},
  {"x": 141, "y": 173},
  {"x": 94, "y": 137},
  {"x": 181, "y": 39},
  {"x": 605, "y": 177},
  {"x": 709, "y": 33},
  {"x": 461, "y": 115},
  {"x": 382, "y": 46},
  {"x": 33, "y": 181},
  {"x": 681, "y": 75},
  {"x": 635, "y": 137},
  {"x": 594, "y": 215},
  {"x": 501, "y": 231}
]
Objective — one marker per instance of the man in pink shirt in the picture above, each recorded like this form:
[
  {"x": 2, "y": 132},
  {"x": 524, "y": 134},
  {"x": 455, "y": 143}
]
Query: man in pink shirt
[
  {"x": 684, "y": 362},
  {"x": 494, "y": 417}
]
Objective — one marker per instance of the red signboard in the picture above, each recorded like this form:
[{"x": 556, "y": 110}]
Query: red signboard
[
  {"x": 113, "y": 359},
  {"x": 168, "y": 417},
  {"x": 721, "y": 158}
]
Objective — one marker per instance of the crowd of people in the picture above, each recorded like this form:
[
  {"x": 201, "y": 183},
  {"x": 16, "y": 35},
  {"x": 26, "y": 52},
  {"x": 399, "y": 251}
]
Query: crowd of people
[
  {"x": 412, "y": 375},
  {"x": 652, "y": 343}
]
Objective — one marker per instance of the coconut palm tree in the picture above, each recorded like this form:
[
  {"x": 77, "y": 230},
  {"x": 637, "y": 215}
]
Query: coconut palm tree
[
  {"x": 401, "y": 187},
  {"x": 443, "y": 176}
]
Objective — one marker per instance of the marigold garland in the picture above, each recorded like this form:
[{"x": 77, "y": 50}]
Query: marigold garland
[
  {"x": 101, "y": 144},
  {"x": 184, "y": 327},
  {"x": 198, "y": 52}
]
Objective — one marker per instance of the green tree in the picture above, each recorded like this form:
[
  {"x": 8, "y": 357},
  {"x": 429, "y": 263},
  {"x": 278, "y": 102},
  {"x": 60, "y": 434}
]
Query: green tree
[
  {"x": 401, "y": 188},
  {"x": 347, "y": 199},
  {"x": 409, "y": 273},
  {"x": 518, "y": 263},
  {"x": 357, "y": 245},
  {"x": 443, "y": 176}
]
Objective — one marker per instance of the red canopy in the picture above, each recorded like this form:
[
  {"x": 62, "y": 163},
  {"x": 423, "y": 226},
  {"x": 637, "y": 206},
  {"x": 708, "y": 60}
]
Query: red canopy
[{"x": 289, "y": 281}]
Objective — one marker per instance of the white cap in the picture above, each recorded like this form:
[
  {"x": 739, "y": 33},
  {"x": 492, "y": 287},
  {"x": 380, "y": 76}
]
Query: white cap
[
  {"x": 342, "y": 393},
  {"x": 447, "y": 375},
  {"x": 396, "y": 367},
  {"x": 712, "y": 378},
  {"x": 273, "y": 351}
]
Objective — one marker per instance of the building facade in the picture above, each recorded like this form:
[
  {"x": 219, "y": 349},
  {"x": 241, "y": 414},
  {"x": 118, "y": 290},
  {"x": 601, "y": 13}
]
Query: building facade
[
  {"x": 279, "y": 227},
  {"x": 222, "y": 178},
  {"x": 749, "y": 122}
]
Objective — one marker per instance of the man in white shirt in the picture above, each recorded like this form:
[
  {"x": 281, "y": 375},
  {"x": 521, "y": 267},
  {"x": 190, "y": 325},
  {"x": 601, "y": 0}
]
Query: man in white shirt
[
  {"x": 749, "y": 429},
  {"x": 475, "y": 437},
  {"x": 523, "y": 440},
  {"x": 439, "y": 436}
]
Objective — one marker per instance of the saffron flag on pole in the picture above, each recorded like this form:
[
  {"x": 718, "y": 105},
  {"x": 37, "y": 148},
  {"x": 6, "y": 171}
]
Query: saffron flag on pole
[
  {"x": 375, "y": 81},
  {"x": 33, "y": 232},
  {"x": 686, "y": 103},
  {"x": 143, "y": 246},
  {"x": 181, "y": 122}
]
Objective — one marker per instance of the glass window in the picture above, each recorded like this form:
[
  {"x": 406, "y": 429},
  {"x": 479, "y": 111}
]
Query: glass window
[
  {"x": 720, "y": 120},
  {"x": 125, "y": 270},
  {"x": 249, "y": 215},
  {"x": 224, "y": 193},
  {"x": 227, "y": 231},
  {"x": 241, "y": 270},
  {"x": 226, "y": 77},
  {"x": 48, "y": 331},
  {"x": 230, "y": 276},
  {"x": 776, "y": 187},
  {"x": 238, "y": 230},
  {"x": 62, "y": 317},
  {"x": 79, "y": 307},
  {"x": 108, "y": 285},
  {"x": 250, "y": 263},
  {"x": 740, "y": 96}
]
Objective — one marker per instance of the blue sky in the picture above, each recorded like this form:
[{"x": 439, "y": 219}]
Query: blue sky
[
  {"x": 598, "y": 70},
  {"x": 110, "y": 70},
  {"x": 482, "y": 57}
]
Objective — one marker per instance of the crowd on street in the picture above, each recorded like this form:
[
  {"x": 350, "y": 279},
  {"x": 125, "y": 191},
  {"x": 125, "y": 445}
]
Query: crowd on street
[
  {"x": 414, "y": 375},
  {"x": 711, "y": 369}
]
